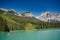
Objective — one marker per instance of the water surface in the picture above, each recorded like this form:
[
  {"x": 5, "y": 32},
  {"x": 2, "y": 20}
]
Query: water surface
[{"x": 51, "y": 34}]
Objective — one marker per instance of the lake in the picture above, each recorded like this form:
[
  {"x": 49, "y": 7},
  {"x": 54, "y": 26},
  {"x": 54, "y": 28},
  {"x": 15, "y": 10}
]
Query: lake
[{"x": 51, "y": 34}]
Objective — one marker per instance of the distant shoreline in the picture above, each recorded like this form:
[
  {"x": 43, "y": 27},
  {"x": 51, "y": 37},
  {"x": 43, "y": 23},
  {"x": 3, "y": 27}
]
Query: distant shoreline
[{"x": 32, "y": 30}]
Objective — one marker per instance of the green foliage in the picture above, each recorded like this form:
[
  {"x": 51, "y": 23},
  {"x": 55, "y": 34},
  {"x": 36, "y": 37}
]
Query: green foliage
[
  {"x": 29, "y": 26},
  {"x": 13, "y": 22}
]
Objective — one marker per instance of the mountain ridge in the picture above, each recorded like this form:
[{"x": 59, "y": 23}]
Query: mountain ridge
[
  {"x": 45, "y": 16},
  {"x": 9, "y": 21}
]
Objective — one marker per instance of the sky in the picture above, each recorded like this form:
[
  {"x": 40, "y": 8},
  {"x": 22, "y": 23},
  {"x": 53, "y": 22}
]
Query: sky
[{"x": 36, "y": 7}]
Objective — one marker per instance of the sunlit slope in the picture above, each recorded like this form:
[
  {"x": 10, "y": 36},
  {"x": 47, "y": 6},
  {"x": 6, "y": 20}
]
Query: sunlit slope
[
  {"x": 7, "y": 21},
  {"x": 8, "y": 18}
]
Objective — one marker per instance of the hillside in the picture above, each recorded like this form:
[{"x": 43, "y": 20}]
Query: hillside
[{"x": 9, "y": 21}]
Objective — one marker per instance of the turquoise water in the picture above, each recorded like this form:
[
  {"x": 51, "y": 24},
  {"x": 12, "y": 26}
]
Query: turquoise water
[{"x": 52, "y": 34}]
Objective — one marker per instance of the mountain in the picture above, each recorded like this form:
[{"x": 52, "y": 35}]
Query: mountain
[
  {"x": 13, "y": 12},
  {"x": 28, "y": 14},
  {"x": 50, "y": 17},
  {"x": 9, "y": 21},
  {"x": 6, "y": 21},
  {"x": 3, "y": 10}
]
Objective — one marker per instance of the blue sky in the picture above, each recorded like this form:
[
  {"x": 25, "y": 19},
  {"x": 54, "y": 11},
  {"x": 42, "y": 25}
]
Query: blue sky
[{"x": 34, "y": 6}]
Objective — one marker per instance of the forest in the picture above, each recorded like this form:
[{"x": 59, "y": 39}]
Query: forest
[{"x": 11, "y": 22}]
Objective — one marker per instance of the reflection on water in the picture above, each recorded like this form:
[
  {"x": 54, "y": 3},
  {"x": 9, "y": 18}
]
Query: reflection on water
[
  {"x": 8, "y": 33},
  {"x": 4, "y": 35},
  {"x": 32, "y": 35}
]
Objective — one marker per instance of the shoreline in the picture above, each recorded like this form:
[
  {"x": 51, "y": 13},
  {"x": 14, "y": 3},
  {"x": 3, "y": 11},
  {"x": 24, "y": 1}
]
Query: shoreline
[{"x": 32, "y": 30}]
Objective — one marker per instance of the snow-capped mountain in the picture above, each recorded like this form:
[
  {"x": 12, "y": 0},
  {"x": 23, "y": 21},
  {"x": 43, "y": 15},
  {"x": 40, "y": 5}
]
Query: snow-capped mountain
[
  {"x": 50, "y": 17},
  {"x": 14, "y": 12},
  {"x": 3, "y": 10},
  {"x": 28, "y": 14},
  {"x": 45, "y": 16}
]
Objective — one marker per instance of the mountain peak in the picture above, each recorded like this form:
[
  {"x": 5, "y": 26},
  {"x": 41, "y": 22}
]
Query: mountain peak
[
  {"x": 28, "y": 14},
  {"x": 48, "y": 16},
  {"x": 2, "y": 9},
  {"x": 12, "y": 10},
  {"x": 45, "y": 13}
]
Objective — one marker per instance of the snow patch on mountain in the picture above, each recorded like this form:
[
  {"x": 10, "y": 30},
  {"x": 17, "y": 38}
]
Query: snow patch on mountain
[
  {"x": 2, "y": 9},
  {"x": 49, "y": 17},
  {"x": 14, "y": 12}
]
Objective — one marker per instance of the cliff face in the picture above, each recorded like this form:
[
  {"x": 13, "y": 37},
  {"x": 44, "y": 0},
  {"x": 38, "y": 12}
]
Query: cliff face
[
  {"x": 49, "y": 17},
  {"x": 28, "y": 14}
]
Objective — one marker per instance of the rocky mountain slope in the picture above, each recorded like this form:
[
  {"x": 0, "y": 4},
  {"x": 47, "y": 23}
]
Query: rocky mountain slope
[{"x": 50, "y": 17}]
